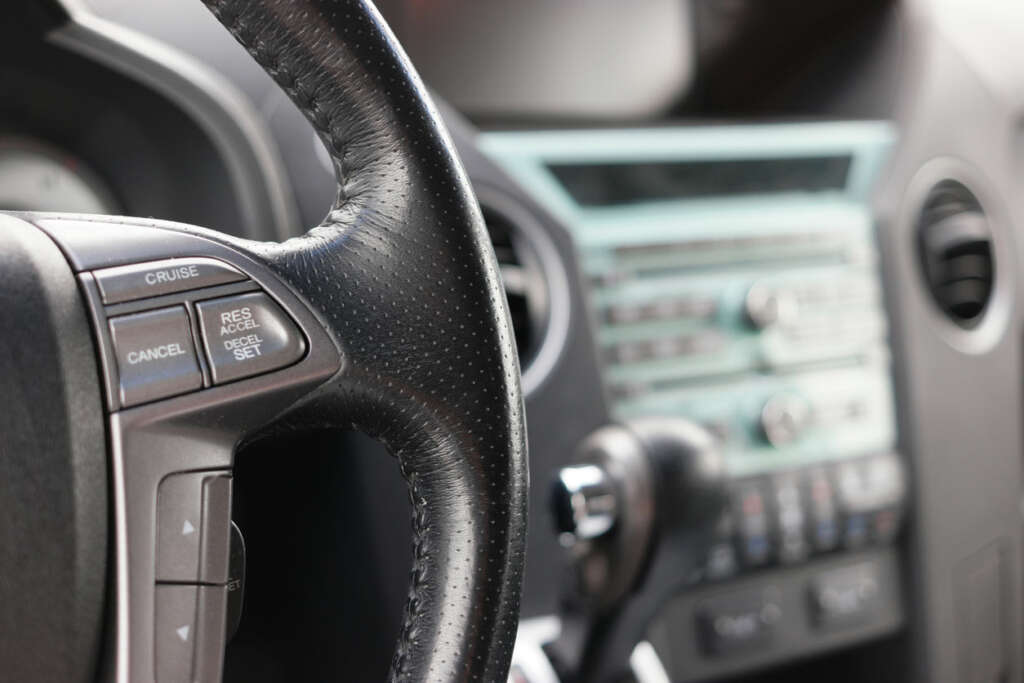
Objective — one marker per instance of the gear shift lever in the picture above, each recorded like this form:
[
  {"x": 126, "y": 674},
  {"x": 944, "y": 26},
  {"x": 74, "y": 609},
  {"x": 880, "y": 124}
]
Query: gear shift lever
[{"x": 637, "y": 510}]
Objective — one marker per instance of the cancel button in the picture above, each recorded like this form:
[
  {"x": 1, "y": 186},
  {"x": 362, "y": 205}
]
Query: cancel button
[
  {"x": 155, "y": 356},
  {"x": 248, "y": 335}
]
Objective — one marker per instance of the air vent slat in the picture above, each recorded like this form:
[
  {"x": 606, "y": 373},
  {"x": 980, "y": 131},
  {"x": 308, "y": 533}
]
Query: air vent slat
[
  {"x": 955, "y": 243},
  {"x": 966, "y": 267},
  {"x": 523, "y": 280}
]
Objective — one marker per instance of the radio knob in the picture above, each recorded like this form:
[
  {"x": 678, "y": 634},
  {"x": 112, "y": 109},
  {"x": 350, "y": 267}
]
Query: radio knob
[
  {"x": 765, "y": 306},
  {"x": 784, "y": 418}
]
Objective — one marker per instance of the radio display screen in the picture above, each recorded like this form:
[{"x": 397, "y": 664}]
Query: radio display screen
[{"x": 610, "y": 184}]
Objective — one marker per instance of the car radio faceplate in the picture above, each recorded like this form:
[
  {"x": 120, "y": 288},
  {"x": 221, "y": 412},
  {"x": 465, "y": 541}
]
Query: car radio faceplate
[
  {"x": 752, "y": 305},
  {"x": 732, "y": 276}
]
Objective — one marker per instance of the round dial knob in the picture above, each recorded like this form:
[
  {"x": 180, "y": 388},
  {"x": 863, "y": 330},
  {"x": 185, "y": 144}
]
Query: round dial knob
[
  {"x": 784, "y": 418},
  {"x": 765, "y": 306}
]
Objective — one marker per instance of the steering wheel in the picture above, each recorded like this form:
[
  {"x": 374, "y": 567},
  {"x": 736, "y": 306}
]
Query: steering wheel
[{"x": 183, "y": 344}]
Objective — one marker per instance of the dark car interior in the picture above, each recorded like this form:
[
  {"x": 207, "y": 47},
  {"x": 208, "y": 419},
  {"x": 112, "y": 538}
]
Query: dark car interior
[{"x": 654, "y": 341}]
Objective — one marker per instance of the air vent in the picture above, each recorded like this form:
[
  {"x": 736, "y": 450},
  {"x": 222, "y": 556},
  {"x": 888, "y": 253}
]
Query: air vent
[
  {"x": 525, "y": 283},
  {"x": 955, "y": 243}
]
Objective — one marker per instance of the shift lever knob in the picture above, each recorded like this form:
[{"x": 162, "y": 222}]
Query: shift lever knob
[
  {"x": 637, "y": 508},
  {"x": 584, "y": 501}
]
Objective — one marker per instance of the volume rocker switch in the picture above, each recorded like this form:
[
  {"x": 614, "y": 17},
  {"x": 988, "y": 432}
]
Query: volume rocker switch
[
  {"x": 175, "y": 633},
  {"x": 248, "y": 335},
  {"x": 193, "y": 527}
]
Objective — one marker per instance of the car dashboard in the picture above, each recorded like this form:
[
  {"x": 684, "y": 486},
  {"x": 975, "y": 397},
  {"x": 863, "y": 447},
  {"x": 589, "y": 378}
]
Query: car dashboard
[{"x": 821, "y": 278}]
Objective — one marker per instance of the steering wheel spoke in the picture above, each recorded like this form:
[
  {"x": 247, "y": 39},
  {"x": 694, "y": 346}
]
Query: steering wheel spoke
[{"x": 202, "y": 347}]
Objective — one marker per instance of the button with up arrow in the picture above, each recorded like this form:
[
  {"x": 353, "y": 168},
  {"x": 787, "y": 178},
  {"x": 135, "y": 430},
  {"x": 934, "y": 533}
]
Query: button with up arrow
[{"x": 193, "y": 519}]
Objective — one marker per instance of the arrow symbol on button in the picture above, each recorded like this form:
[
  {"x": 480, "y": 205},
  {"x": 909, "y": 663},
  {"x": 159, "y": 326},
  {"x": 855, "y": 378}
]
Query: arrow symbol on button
[
  {"x": 187, "y": 528},
  {"x": 183, "y": 633}
]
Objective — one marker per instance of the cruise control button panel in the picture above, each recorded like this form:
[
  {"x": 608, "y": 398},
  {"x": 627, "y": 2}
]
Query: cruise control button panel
[
  {"x": 247, "y": 335},
  {"x": 142, "y": 280},
  {"x": 155, "y": 355},
  {"x": 177, "y": 325}
]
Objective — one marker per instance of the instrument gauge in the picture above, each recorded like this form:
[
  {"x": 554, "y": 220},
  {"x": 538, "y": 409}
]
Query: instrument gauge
[{"x": 35, "y": 176}]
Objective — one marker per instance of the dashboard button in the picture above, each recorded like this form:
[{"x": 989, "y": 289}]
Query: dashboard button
[
  {"x": 821, "y": 508},
  {"x": 752, "y": 523},
  {"x": 845, "y": 597},
  {"x": 248, "y": 335},
  {"x": 175, "y": 632},
  {"x": 864, "y": 486},
  {"x": 155, "y": 278},
  {"x": 155, "y": 355},
  {"x": 790, "y": 522},
  {"x": 721, "y": 561},
  {"x": 193, "y": 528},
  {"x": 740, "y": 621}
]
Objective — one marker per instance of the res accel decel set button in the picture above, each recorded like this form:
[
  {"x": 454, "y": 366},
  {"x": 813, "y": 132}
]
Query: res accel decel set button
[{"x": 247, "y": 335}]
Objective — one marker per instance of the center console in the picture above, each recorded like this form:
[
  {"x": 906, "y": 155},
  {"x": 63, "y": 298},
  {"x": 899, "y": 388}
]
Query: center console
[{"x": 733, "y": 281}]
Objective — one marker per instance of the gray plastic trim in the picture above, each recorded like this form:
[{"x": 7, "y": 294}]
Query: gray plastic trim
[{"x": 221, "y": 110}]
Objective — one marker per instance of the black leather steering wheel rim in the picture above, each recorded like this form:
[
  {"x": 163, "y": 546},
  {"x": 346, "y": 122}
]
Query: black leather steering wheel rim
[
  {"x": 402, "y": 274},
  {"x": 391, "y": 320},
  {"x": 399, "y": 329}
]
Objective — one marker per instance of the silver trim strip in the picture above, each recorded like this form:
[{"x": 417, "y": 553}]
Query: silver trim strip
[
  {"x": 537, "y": 632},
  {"x": 528, "y": 655},
  {"x": 646, "y": 665}
]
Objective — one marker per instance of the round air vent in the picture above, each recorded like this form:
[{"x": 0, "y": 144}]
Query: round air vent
[
  {"x": 955, "y": 243},
  {"x": 524, "y": 281},
  {"x": 535, "y": 283}
]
